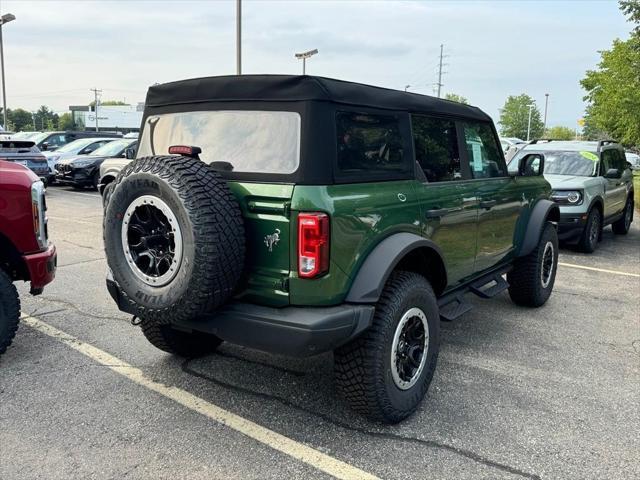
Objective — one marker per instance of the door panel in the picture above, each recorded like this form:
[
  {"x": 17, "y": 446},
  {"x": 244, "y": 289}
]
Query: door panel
[
  {"x": 449, "y": 212},
  {"x": 499, "y": 208}
]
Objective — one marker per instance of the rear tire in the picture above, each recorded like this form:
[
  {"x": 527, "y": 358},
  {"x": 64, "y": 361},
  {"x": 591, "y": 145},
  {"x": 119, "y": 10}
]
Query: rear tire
[
  {"x": 533, "y": 276},
  {"x": 622, "y": 226},
  {"x": 385, "y": 373},
  {"x": 592, "y": 231},
  {"x": 177, "y": 342},
  {"x": 9, "y": 311}
]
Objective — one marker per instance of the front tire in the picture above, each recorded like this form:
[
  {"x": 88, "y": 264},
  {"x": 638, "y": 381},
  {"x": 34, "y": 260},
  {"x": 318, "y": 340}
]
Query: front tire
[
  {"x": 533, "y": 276},
  {"x": 385, "y": 373},
  {"x": 622, "y": 226},
  {"x": 177, "y": 342},
  {"x": 9, "y": 311},
  {"x": 591, "y": 234}
]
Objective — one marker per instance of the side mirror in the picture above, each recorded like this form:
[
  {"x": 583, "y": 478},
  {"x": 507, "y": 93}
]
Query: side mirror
[
  {"x": 612, "y": 173},
  {"x": 531, "y": 165},
  {"x": 130, "y": 153},
  {"x": 44, "y": 147}
]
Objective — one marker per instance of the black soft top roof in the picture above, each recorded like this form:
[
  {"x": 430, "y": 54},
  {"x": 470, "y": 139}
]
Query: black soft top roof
[{"x": 297, "y": 88}]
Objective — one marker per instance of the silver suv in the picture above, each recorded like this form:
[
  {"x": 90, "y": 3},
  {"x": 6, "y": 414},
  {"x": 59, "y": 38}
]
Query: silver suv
[{"x": 592, "y": 183}]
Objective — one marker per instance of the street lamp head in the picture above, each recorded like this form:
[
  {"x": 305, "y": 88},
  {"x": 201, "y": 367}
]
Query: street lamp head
[
  {"x": 6, "y": 18},
  {"x": 307, "y": 54}
]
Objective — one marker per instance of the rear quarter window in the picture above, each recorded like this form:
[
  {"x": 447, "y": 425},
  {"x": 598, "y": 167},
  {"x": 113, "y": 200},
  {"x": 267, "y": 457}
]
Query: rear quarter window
[{"x": 370, "y": 147}]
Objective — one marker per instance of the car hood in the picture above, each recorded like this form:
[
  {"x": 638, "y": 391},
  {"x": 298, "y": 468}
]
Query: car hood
[{"x": 567, "y": 181}]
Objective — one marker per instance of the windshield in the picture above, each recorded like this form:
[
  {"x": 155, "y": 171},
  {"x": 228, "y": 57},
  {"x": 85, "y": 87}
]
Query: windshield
[
  {"x": 76, "y": 145},
  {"x": 111, "y": 149},
  {"x": 39, "y": 137},
  {"x": 582, "y": 164},
  {"x": 247, "y": 141}
]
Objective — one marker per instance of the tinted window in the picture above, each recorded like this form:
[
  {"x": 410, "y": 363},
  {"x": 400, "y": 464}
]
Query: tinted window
[
  {"x": 56, "y": 140},
  {"x": 250, "y": 141},
  {"x": 485, "y": 159},
  {"x": 436, "y": 146},
  {"x": 609, "y": 160},
  {"x": 369, "y": 143}
]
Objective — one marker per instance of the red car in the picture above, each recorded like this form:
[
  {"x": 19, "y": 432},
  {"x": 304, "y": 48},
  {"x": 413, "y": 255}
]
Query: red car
[{"x": 25, "y": 251}]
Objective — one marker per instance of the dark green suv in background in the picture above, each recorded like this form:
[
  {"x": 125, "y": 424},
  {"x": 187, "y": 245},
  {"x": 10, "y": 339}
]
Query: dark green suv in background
[{"x": 300, "y": 215}]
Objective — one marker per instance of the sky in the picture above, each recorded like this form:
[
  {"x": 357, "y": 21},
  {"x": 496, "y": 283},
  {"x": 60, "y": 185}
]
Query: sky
[{"x": 56, "y": 51}]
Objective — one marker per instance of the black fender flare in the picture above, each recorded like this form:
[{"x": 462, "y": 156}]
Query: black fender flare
[
  {"x": 597, "y": 200},
  {"x": 541, "y": 212},
  {"x": 375, "y": 270}
]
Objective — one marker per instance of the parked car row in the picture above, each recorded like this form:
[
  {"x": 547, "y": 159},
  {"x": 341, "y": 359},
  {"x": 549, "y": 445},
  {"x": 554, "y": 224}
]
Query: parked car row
[{"x": 79, "y": 154}]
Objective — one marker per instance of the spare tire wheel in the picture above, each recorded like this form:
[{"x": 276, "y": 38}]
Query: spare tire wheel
[{"x": 174, "y": 238}]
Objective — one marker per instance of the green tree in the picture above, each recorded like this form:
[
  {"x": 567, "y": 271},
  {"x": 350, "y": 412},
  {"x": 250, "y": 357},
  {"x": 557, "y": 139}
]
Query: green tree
[
  {"x": 560, "y": 133},
  {"x": 20, "y": 119},
  {"x": 631, "y": 8},
  {"x": 46, "y": 119},
  {"x": 65, "y": 122},
  {"x": 613, "y": 91},
  {"x": 456, "y": 98},
  {"x": 514, "y": 117}
]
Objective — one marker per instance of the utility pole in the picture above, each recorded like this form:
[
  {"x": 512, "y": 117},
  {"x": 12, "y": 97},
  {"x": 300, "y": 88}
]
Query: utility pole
[
  {"x": 95, "y": 107},
  {"x": 440, "y": 70},
  {"x": 531, "y": 105},
  {"x": 239, "y": 37},
  {"x": 33, "y": 116},
  {"x": 6, "y": 18},
  {"x": 546, "y": 104}
]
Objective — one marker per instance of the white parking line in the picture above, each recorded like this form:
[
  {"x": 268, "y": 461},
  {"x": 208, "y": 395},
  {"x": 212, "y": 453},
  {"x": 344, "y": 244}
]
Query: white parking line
[
  {"x": 615, "y": 272},
  {"x": 297, "y": 450},
  {"x": 54, "y": 192}
]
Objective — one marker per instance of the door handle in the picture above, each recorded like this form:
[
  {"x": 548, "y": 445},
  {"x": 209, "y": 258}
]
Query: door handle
[
  {"x": 436, "y": 212},
  {"x": 488, "y": 204}
]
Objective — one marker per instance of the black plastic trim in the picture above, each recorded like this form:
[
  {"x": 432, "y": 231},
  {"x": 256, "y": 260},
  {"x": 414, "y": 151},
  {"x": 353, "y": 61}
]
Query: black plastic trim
[
  {"x": 372, "y": 276},
  {"x": 536, "y": 223}
]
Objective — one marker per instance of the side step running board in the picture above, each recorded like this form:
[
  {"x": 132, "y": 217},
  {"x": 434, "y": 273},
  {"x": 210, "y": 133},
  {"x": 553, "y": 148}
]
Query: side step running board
[{"x": 453, "y": 305}]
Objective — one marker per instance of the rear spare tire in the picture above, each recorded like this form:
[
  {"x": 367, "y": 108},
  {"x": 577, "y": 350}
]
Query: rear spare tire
[{"x": 174, "y": 238}]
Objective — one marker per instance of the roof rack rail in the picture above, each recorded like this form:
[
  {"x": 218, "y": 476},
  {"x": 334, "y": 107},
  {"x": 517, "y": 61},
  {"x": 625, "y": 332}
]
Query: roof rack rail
[{"x": 602, "y": 143}]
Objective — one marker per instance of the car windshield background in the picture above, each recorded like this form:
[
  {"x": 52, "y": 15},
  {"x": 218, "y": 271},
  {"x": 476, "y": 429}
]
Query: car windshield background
[
  {"x": 582, "y": 164},
  {"x": 111, "y": 149},
  {"x": 76, "y": 145},
  {"x": 249, "y": 141},
  {"x": 436, "y": 147},
  {"x": 483, "y": 151},
  {"x": 369, "y": 144}
]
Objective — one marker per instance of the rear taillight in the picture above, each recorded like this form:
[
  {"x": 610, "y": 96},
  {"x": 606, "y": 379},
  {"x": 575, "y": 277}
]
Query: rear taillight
[{"x": 313, "y": 244}]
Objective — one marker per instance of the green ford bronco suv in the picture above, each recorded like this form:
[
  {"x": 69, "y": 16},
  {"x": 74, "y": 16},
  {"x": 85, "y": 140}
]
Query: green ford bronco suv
[{"x": 300, "y": 215}]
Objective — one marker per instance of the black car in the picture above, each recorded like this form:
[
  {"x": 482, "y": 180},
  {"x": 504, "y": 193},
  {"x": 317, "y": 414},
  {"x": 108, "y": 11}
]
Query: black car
[
  {"x": 50, "y": 141},
  {"x": 84, "y": 170},
  {"x": 25, "y": 153}
]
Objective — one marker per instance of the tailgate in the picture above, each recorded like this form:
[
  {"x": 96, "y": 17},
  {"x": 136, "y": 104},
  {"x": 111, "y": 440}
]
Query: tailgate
[{"x": 266, "y": 211}]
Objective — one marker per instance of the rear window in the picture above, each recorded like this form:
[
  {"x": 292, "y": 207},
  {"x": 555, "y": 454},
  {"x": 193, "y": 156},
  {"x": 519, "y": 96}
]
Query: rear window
[
  {"x": 369, "y": 145},
  {"x": 247, "y": 141},
  {"x": 11, "y": 146}
]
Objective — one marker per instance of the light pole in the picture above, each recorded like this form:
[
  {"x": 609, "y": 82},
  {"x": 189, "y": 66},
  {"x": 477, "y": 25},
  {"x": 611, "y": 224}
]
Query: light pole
[
  {"x": 531, "y": 105},
  {"x": 546, "y": 105},
  {"x": 304, "y": 56},
  {"x": 6, "y": 18},
  {"x": 407, "y": 87},
  {"x": 239, "y": 37}
]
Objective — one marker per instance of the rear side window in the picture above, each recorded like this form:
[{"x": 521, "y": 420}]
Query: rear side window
[
  {"x": 436, "y": 147},
  {"x": 483, "y": 151},
  {"x": 370, "y": 145}
]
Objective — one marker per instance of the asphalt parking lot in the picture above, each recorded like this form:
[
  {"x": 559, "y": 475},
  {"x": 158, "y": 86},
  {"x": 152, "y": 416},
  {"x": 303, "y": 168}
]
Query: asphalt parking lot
[{"x": 518, "y": 393}]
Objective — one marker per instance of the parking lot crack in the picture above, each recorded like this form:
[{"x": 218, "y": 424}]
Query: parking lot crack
[
  {"x": 470, "y": 455},
  {"x": 79, "y": 245}
]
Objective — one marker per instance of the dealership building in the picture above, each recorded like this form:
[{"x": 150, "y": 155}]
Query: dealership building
[{"x": 111, "y": 118}]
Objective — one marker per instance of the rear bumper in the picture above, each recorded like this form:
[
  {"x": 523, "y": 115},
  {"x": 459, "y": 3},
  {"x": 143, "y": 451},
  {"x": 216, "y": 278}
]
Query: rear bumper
[
  {"x": 571, "y": 225},
  {"x": 42, "y": 268},
  {"x": 294, "y": 331}
]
